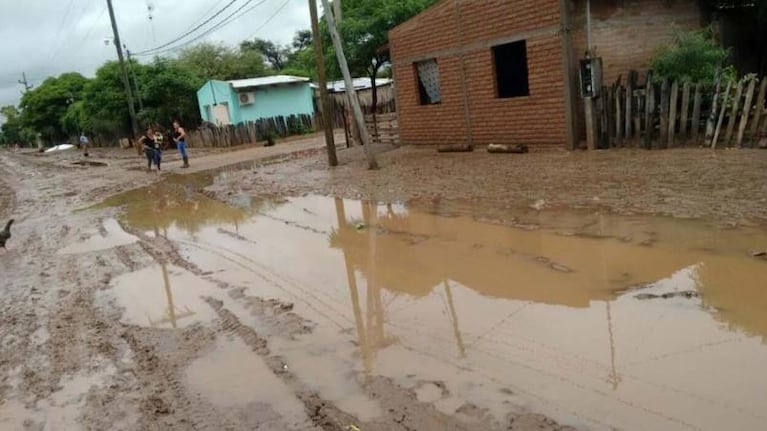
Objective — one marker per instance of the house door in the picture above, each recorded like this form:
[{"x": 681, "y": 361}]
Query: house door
[{"x": 221, "y": 113}]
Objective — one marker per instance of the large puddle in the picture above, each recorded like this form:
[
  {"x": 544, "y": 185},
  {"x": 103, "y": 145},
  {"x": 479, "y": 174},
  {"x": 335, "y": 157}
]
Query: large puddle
[{"x": 598, "y": 321}]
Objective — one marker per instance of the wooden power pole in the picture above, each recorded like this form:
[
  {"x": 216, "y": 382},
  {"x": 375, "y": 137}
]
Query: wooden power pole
[
  {"x": 327, "y": 109},
  {"x": 358, "y": 117},
  {"x": 126, "y": 81}
]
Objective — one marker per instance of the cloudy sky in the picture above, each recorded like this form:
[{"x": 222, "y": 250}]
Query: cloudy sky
[{"x": 49, "y": 37}]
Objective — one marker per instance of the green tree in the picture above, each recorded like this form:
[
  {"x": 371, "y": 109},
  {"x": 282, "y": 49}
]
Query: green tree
[
  {"x": 692, "y": 57},
  {"x": 211, "y": 61},
  {"x": 104, "y": 103},
  {"x": 13, "y": 131},
  {"x": 364, "y": 30},
  {"x": 169, "y": 93},
  {"x": 43, "y": 109},
  {"x": 274, "y": 54}
]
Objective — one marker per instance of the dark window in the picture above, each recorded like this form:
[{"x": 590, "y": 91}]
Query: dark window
[
  {"x": 511, "y": 69},
  {"x": 427, "y": 75}
]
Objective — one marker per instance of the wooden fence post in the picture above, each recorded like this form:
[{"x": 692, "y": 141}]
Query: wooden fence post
[
  {"x": 664, "y": 108},
  {"x": 721, "y": 115},
  {"x": 619, "y": 116},
  {"x": 746, "y": 112},
  {"x": 695, "y": 121},
  {"x": 758, "y": 112},
  {"x": 649, "y": 112},
  {"x": 629, "y": 104},
  {"x": 683, "y": 121},
  {"x": 733, "y": 114},
  {"x": 672, "y": 113}
]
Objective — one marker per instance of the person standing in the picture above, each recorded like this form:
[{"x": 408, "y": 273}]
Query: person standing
[
  {"x": 151, "y": 149},
  {"x": 84, "y": 143},
  {"x": 180, "y": 138}
]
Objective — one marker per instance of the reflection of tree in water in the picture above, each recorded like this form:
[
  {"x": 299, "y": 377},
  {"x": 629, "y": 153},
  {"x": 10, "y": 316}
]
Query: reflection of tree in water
[{"x": 178, "y": 202}]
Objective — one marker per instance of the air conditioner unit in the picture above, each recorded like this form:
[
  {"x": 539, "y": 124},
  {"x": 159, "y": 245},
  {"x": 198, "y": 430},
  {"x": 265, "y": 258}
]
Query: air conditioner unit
[{"x": 247, "y": 98}]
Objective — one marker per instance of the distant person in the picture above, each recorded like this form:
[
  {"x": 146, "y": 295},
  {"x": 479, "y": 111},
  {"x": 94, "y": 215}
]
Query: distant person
[
  {"x": 152, "y": 149},
  {"x": 84, "y": 143},
  {"x": 180, "y": 138}
]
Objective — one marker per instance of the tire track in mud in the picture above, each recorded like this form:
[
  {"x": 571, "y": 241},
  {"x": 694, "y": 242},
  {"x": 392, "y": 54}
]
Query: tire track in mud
[
  {"x": 402, "y": 410},
  {"x": 165, "y": 402}
]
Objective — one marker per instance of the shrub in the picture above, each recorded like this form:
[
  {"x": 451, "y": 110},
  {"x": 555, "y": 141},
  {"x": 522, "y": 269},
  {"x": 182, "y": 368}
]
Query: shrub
[{"x": 693, "y": 56}]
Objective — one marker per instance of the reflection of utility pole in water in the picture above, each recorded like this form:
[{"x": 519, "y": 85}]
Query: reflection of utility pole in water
[
  {"x": 614, "y": 378},
  {"x": 172, "y": 315},
  {"x": 454, "y": 321},
  {"x": 375, "y": 312},
  {"x": 365, "y": 348}
]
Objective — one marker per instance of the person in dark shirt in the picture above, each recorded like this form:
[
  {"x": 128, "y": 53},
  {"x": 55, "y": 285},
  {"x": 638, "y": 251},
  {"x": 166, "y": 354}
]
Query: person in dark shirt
[
  {"x": 179, "y": 137},
  {"x": 152, "y": 149}
]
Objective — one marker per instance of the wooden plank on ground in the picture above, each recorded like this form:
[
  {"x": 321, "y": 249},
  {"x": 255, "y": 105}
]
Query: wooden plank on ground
[
  {"x": 758, "y": 112},
  {"x": 672, "y": 113},
  {"x": 746, "y": 112},
  {"x": 733, "y": 114},
  {"x": 695, "y": 120},
  {"x": 721, "y": 115},
  {"x": 664, "y": 108},
  {"x": 683, "y": 120}
]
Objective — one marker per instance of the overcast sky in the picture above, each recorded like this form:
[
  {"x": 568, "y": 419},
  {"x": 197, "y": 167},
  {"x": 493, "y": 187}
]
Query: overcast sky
[{"x": 49, "y": 37}]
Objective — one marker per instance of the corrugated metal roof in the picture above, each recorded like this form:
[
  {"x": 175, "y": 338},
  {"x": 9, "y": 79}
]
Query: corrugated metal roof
[
  {"x": 266, "y": 81},
  {"x": 359, "y": 84}
]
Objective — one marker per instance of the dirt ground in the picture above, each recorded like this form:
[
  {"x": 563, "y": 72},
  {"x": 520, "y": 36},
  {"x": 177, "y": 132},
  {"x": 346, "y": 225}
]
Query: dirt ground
[{"x": 67, "y": 361}]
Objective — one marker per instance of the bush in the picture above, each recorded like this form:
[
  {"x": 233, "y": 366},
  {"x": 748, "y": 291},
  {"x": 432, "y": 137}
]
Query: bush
[{"x": 692, "y": 57}]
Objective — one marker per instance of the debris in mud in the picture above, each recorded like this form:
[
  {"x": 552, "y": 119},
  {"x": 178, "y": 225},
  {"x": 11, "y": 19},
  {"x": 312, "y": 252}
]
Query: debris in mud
[
  {"x": 759, "y": 254},
  {"x": 90, "y": 163},
  {"x": 688, "y": 294}
]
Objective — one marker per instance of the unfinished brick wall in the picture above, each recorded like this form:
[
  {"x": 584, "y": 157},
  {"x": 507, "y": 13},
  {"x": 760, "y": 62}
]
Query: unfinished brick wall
[
  {"x": 535, "y": 119},
  {"x": 627, "y": 33}
]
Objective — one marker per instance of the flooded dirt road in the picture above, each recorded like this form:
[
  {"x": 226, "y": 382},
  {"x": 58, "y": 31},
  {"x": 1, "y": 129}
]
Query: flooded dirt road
[{"x": 164, "y": 308}]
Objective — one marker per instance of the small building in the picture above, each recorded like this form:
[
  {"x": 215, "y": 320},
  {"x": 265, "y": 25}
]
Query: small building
[
  {"x": 504, "y": 71},
  {"x": 245, "y": 100},
  {"x": 364, "y": 89}
]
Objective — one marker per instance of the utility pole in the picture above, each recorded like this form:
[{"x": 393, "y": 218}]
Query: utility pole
[
  {"x": 126, "y": 82},
  {"x": 327, "y": 114},
  {"x": 338, "y": 11},
  {"x": 354, "y": 133},
  {"x": 25, "y": 83},
  {"x": 135, "y": 80},
  {"x": 358, "y": 117}
]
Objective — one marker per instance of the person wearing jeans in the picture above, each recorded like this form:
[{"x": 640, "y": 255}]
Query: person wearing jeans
[{"x": 180, "y": 138}]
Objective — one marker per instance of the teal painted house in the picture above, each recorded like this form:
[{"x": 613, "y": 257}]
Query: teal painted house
[{"x": 244, "y": 100}]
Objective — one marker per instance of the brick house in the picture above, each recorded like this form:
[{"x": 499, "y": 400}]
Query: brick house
[{"x": 503, "y": 71}]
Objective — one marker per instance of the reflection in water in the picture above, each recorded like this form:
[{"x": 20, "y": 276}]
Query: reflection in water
[
  {"x": 176, "y": 201},
  {"x": 572, "y": 322},
  {"x": 172, "y": 315}
]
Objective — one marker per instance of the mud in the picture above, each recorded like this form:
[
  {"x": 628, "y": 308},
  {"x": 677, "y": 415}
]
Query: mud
[{"x": 165, "y": 308}]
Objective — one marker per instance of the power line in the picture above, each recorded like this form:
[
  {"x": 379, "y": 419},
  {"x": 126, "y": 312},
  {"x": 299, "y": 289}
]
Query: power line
[
  {"x": 223, "y": 23},
  {"x": 268, "y": 20},
  {"x": 197, "y": 27}
]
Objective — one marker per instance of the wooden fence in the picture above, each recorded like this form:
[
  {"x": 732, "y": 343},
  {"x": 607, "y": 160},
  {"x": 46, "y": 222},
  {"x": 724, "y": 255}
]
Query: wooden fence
[
  {"x": 252, "y": 131},
  {"x": 384, "y": 128},
  {"x": 669, "y": 114}
]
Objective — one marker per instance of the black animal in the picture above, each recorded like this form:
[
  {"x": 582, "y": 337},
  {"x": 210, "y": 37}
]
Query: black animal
[{"x": 5, "y": 235}]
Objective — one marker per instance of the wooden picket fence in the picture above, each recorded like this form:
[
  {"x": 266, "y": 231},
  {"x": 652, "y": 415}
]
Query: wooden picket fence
[
  {"x": 669, "y": 114},
  {"x": 384, "y": 129},
  {"x": 252, "y": 131}
]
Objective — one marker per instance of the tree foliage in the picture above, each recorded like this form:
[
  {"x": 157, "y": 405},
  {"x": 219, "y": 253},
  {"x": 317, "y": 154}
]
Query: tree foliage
[
  {"x": 44, "y": 107},
  {"x": 692, "y": 57},
  {"x": 275, "y": 54}
]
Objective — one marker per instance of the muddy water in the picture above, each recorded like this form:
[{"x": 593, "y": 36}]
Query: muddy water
[{"x": 600, "y": 322}]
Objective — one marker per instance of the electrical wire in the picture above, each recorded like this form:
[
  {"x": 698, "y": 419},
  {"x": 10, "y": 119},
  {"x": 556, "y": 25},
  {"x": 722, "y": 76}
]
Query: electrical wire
[
  {"x": 194, "y": 29},
  {"x": 223, "y": 23}
]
